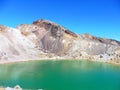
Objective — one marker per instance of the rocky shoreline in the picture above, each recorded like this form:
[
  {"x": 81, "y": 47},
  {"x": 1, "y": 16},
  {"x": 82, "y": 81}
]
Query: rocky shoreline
[{"x": 19, "y": 61}]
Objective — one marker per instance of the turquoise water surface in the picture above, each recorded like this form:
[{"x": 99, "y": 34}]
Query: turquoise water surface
[{"x": 61, "y": 75}]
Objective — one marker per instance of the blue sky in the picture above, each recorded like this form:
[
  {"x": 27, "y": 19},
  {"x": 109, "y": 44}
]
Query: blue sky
[{"x": 97, "y": 17}]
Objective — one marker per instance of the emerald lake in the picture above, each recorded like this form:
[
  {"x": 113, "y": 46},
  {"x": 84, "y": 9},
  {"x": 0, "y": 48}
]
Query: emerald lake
[{"x": 61, "y": 75}]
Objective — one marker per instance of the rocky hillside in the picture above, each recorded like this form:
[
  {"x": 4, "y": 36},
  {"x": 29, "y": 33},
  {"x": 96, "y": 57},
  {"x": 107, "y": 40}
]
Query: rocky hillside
[{"x": 44, "y": 39}]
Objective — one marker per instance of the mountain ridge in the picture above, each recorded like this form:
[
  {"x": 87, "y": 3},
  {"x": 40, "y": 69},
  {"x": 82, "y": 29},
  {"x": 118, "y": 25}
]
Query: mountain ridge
[{"x": 45, "y": 39}]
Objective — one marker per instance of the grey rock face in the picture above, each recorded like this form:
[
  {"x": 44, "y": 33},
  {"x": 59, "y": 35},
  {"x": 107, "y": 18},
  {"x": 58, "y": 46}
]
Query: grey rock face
[
  {"x": 51, "y": 44},
  {"x": 52, "y": 40}
]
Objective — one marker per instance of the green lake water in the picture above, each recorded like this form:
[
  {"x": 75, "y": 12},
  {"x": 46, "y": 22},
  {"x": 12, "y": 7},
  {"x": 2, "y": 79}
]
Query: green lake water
[{"x": 61, "y": 75}]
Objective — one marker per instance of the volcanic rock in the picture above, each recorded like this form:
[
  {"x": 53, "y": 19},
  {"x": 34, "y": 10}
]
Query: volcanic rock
[{"x": 44, "y": 39}]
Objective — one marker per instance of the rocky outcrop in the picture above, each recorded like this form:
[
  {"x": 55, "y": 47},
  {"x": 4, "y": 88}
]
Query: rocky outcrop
[
  {"x": 49, "y": 36},
  {"x": 52, "y": 41},
  {"x": 17, "y": 87},
  {"x": 47, "y": 40}
]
